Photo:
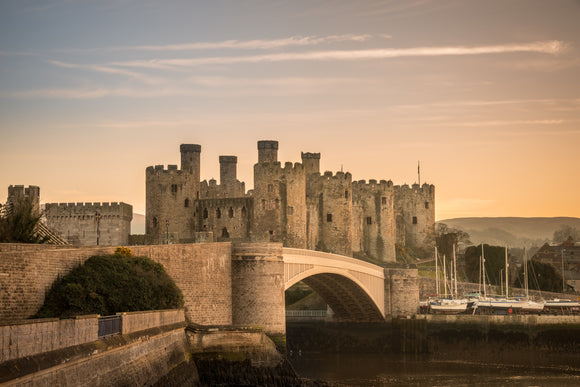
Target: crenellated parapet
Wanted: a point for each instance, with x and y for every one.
(161, 170)
(90, 209)
(18, 193)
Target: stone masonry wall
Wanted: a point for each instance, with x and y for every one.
(227, 219)
(77, 222)
(415, 213)
(401, 292)
(336, 213)
(201, 271)
(169, 203)
(373, 219)
(258, 286)
(115, 361)
(30, 337)
(140, 321)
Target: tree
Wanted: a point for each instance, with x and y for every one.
(446, 237)
(18, 225)
(565, 231)
(110, 284)
(541, 276)
(494, 263)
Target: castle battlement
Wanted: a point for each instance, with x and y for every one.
(158, 169)
(88, 204)
(290, 167)
(89, 208)
(425, 189)
(372, 184)
(328, 175)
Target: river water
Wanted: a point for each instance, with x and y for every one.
(387, 370)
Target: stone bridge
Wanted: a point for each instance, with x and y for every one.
(355, 290)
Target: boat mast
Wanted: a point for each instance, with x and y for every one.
(455, 270)
(483, 267)
(507, 265)
(526, 272)
(436, 274)
(444, 276)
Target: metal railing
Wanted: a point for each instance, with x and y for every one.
(109, 325)
(306, 313)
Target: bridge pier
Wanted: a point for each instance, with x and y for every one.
(401, 292)
(258, 286)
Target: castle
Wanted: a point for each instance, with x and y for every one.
(79, 224)
(292, 203)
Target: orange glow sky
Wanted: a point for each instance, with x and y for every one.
(486, 94)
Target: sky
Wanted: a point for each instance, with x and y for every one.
(484, 94)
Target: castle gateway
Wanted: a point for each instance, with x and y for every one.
(293, 204)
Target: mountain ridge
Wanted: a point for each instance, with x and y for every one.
(511, 230)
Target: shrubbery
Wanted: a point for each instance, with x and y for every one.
(110, 284)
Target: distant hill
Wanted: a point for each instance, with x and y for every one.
(514, 232)
(138, 224)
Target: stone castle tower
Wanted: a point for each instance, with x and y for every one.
(292, 203)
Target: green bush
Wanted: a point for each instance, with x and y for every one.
(110, 284)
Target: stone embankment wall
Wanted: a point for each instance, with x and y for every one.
(201, 271)
(48, 353)
(32, 337)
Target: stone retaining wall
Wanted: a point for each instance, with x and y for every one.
(32, 337)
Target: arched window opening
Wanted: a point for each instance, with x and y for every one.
(218, 213)
(186, 204)
(205, 213)
(154, 222)
(225, 233)
(231, 212)
(243, 212)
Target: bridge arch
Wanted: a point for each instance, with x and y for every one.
(353, 289)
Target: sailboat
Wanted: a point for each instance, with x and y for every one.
(507, 305)
(529, 306)
(447, 305)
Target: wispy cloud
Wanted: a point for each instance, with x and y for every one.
(543, 47)
(107, 70)
(509, 123)
(257, 44)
